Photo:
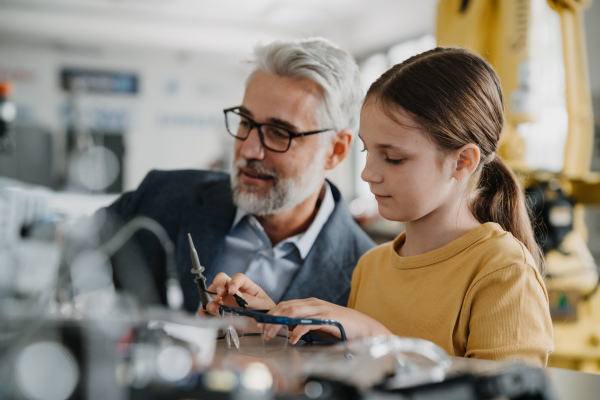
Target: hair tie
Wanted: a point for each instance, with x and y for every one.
(489, 158)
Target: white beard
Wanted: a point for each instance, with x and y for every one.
(285, 193)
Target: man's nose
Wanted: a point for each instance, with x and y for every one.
(252, 147)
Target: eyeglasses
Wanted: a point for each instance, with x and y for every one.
(247, 337)
(272, 137)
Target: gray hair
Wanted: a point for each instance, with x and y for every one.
(324, 63)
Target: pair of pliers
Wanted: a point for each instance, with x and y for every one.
(201, 279)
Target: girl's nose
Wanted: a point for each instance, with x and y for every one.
(369, 173)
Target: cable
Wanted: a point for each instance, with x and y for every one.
(173, 287)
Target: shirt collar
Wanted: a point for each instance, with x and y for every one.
(303, 241)
(239, 214)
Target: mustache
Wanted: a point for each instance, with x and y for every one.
(255, 165)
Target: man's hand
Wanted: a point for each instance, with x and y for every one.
(356, 324)
(240, 284)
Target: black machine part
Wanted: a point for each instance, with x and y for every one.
(517, 382)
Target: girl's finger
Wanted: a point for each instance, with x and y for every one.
(298, 332)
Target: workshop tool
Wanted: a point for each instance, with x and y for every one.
(201, 279)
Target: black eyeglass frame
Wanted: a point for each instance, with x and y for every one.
(254, 124)
(262, 317)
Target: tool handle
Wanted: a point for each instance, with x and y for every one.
(201, 283)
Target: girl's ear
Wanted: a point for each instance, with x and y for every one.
(467, 159)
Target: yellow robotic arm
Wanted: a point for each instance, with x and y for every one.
(500, 30)
(580, 138)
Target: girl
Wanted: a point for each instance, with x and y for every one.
(467, 273)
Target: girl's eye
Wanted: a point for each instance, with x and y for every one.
(363, 150)
(394, 161)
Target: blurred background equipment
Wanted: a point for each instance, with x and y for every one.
(8, 112)
(117, 356)
(521, 39)
(28, 264)
(94, 153)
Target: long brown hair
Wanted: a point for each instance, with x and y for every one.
(456, 97)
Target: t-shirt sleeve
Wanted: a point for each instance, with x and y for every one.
(509, 317)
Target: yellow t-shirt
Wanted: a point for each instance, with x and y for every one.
(479, 296)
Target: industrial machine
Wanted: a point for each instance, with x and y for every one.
(512, 35)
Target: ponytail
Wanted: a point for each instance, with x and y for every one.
(455, 96)
(499, 198)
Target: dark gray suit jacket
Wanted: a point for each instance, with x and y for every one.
(200, 202)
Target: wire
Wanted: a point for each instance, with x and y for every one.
(173, 287)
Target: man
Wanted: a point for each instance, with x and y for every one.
(275, 218)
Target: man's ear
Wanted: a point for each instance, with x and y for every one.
(467, 159)
(339, 148)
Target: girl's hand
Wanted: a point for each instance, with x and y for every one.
(356, 324)
(240, 284)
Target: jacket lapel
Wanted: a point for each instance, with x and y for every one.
(326, 260)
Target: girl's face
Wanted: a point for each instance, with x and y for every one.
(404, 169)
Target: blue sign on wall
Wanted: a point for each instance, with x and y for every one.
(97, 81)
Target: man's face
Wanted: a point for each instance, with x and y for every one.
(265, 182)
